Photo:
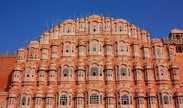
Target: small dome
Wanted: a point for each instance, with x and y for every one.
(94, 17)
(133, 26)
(55, 43)
(56, 27)
(135, 43)
(147, 65)
(42, 66)
(107, 19)
(12, 95)
(151, 93)
(146, 45)
(52, 66)
(143, 31)
(156, 40)
(81, 19)
(178, 93)
(176, 31)
(139, 92)
(45, 47)
(136, 65)
(173, 66)
(69, 21)
(17, 68)
(46, 33)
(21, 48)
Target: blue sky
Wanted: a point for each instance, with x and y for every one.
(22, 19)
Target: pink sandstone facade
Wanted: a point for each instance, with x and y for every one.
(98, 62)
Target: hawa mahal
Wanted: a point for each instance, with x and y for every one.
(95, 62)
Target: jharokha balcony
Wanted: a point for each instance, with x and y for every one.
(172, 40)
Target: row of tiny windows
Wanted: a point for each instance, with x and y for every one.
(94, 99)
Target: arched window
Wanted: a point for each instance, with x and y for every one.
(166, 101)
(120, 28)
(100, 47)
(121, 45)
(124, 100)
(162, 71)
(65, 72)
(72, 48)
(101, 71)
(94, 49)
(123, 72)
(117, 70)
(71, 72)
(31, 52)
(171, 52)
(68, 29)
(158, 51)
(94, 71)
(28, 102)
(128, 71)
(94, 99)
(63, 100)
(94, 29)
(23, 100)
(49, 101)
(67, 47)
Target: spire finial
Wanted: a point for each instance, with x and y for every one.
(108, 15)
(94, 13)
(101, 15)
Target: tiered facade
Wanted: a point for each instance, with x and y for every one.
(97, 62)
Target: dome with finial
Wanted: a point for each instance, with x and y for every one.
(81, 41)
(42, 66)
(82, 19)
(55, 43)
(17, 68)
(175, 30)
(136, 65)
(12, 94)
(150, 93)
(109, 64)
(21, 48)
(39, 93)
(69, 21)
(94, 17)
(107, 19)
(147, 65)
(139, 92)
(108, 41)
(156, 40)
(109, 92)
(143, 31)
(173, 66)
(47, 33)
(178, 93)
(56, 27)
(79, 92)
(53, 66)
(34, 44)
(80, 64)
(50, 92)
